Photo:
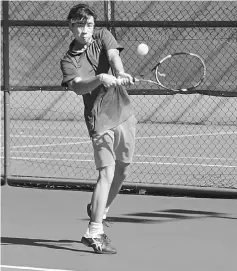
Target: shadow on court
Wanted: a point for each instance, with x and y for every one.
(52, 244)
(166, 215)
(190, 214)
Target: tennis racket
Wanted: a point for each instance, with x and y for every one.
(178, 72)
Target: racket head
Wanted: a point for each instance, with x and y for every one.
(180, 72)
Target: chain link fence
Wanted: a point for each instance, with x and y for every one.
(182, 140)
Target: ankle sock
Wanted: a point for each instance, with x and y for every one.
(94, 229)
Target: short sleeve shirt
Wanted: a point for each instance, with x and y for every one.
(104, 108)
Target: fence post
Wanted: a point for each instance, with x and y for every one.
(6, 90)
(109, 15)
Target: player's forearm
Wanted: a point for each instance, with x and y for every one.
(82, 87)
(117, 65)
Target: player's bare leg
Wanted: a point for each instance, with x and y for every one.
(95, 236)
(120, 174)
(101, 192)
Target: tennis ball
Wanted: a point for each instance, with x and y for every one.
(142, 49)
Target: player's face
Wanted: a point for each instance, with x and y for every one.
(83, 31)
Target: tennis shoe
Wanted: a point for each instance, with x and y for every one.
(100, 244)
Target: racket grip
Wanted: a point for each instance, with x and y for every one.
(135, 80)
(120, 80)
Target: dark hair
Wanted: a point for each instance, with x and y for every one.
(80, 12)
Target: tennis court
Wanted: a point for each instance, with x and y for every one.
(188, 148)
(41, 230)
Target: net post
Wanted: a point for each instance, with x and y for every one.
(6, 90)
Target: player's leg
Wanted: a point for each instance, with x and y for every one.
(101, 192)
(120, 174)
(105, 163)
(123, 151)
(124, 147)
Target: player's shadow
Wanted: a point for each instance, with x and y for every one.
(161, 216)
(179, 214)
(53, 244)
(198, 213)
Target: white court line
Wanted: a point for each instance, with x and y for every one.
(183, 157)
(54, 152)
(51, 159)
(187, 135)
(144, 137)
(52, 136)
(135, 162)
(139, 137)
(41, 128)
(136, 155)
(184, 164)
(31, 268)
(49, 145)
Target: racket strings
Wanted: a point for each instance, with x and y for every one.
(180, 72)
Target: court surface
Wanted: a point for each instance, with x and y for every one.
(41, 230)
(196, 155)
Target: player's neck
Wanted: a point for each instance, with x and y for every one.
(78, 46)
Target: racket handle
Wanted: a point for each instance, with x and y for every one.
(135, 80)
(119, 81)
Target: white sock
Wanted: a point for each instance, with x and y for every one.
(94, 229)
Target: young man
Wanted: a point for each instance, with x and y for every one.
(93, 68)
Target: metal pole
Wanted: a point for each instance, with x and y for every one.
(109, 15)
(6, 90)
(112, 17)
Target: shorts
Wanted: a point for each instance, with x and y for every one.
(116, 144)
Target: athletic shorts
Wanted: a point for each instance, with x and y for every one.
(116, 144)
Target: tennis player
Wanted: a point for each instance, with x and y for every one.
(91, 68)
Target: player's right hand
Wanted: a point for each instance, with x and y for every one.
(108, 80)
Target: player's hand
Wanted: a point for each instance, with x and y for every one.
(125, 79)
(108, 80)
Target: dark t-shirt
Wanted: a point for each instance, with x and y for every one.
(104, 108)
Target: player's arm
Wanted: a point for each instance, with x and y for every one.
(84, 86)
(73, 81)
(117, 66)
